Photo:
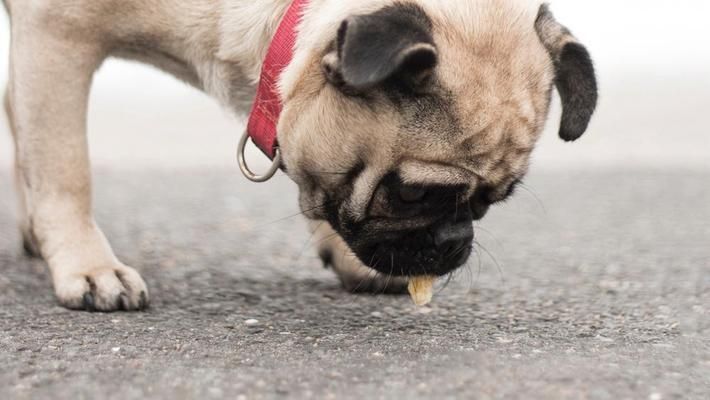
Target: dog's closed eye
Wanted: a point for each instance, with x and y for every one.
(487, 195)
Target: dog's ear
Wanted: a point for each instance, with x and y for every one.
(393, 43)
(575, 78)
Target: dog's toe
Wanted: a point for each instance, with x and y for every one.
(353, 274)
(29, 247)
(360, 279)
(105, 289)
(357, 278)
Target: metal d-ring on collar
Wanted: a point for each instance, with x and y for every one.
(245, 168)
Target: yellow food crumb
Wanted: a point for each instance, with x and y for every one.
(421, 288)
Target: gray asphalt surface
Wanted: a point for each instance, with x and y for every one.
(602, 292)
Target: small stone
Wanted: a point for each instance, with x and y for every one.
(115, 349)
(663, 345)
(376, 314)
(251, 322)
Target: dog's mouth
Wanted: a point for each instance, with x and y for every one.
(435, 249)
(407, 231)
(415, 255)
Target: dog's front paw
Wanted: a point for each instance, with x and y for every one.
(106, 288)
(357, 278)
(353, 274)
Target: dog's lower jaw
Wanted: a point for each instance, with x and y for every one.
(353, 274)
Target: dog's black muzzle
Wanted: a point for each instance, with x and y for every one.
(436, 250)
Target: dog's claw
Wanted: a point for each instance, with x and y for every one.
(143, 303)
(326, 257)
(124, 302)
(29, 248)
(107, 289)
(89, 304)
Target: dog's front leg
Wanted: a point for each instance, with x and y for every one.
(48, 90)
(353, 274)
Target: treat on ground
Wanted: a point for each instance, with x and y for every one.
(421, 288)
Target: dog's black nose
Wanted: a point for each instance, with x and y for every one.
(454, 241)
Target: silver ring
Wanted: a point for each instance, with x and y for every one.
(245, 168)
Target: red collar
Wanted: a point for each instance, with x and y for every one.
(267, 107)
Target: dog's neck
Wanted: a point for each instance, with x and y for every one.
(244, 33)
(246, 29)
(217, 46)
(241, 32)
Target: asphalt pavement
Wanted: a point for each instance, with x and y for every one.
(588, 285)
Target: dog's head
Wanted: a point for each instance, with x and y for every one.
(404, 121)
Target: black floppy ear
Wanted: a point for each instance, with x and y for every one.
(575, 77)
(393, 43)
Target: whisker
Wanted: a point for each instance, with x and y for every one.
(295, 215)
(480, 268)
(325, 239)
(473, 283)
(328, 173)
(367, 277)
(469, 272)
(308, 242)
(532, 193)
(495, 261)
(387, 282)
(490, 234)
(348, 253)
(449, 278)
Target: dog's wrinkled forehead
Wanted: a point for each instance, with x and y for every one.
(439, 92)
(491, 91)
(481, 99)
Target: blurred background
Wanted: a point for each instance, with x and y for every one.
(652, 58)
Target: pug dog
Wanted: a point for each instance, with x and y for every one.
(403, 120)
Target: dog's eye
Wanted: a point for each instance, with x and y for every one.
(412, 194)
(487, 195)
